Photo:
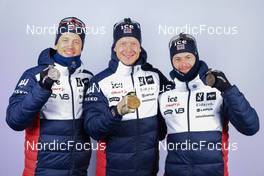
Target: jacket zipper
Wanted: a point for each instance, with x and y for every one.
(188, 119)
(188, 107)
(137, 121)
(73, 124)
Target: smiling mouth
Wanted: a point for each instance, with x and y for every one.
(185, 70)
(128, 56)
(69, 52)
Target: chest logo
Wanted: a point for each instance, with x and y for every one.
(211, 96)
(199, 96)
(146, 80)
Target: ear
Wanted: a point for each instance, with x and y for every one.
(115, 48)
(55, 47)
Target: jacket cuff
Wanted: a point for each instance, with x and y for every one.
(115, 114)
(233, 90)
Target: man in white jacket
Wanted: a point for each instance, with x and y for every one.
(197, 115)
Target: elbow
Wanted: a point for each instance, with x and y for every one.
(95, 137)
(247, 123)
(92, 134)
(89, 129)
(254, 128)
(252, 131)
(13, 125)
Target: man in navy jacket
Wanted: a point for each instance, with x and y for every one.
(197, 113)
(122, 107)
(47, 104)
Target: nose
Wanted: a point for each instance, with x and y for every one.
(184, 64)
(128, 48)
(71, 45)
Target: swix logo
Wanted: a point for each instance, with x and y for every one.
(23, 82)
(172, 99)
(85, 81)
(116, 85)
(149, 79)
(211, 96)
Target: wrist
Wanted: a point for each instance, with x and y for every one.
(226, 87)
(115, 113)
(46, 83)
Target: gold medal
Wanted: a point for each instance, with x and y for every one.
(132, 100)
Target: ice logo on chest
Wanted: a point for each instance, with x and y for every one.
(172, 99)
(116, 85)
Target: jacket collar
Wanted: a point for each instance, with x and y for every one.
(123, 69)
(193, 85)
(46, 58)
(203, 69)
(65, 71)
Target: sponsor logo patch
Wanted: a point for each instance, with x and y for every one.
(146, 80)
(200, 96)
(211, 96)
(169, 111)
(23, 82)
(114, 99)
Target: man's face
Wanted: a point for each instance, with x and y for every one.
(183, 62)
(127, 50)
(69, 45)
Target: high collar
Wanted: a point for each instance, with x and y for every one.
(193, 85)
(70, 62)
(203, 69)
(123, 69)
(65, 70)
(46, 57)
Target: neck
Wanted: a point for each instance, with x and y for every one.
(70, 62)
(188, 76)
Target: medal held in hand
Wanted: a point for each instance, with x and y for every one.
(210, 79)
(53, 73)
(132, 100)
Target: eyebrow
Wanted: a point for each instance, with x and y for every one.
(66, 37)
(178, 57)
